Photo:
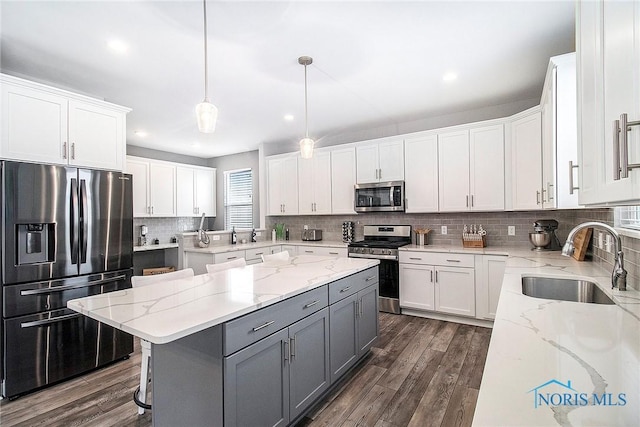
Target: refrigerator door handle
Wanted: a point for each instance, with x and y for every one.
(47, 322)
(84, 219)
(76, 286)
(74, 219)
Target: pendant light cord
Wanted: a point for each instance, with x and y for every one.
(206, 68)
(306, 109)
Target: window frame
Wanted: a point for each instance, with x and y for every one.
(247, 203)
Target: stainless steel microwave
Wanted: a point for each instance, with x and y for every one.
(380, 197)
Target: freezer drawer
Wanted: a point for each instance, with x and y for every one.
(52, 346)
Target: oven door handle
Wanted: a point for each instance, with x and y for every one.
(49, 321)
(383, 257)
(76, 286)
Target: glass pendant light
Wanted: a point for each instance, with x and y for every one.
(206, 112)
(306, 143)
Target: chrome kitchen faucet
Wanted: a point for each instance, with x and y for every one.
(619, 274)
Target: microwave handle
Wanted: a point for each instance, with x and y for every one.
(391, 199)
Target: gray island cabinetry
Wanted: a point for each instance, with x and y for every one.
(265, 366)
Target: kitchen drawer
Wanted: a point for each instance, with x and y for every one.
(248, 329)
(342, 288)
(256, 254)
(436, 258)
(227, 256)
(322, 251)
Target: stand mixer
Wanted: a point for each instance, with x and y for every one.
(544, 236)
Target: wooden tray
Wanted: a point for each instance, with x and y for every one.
(581, 243)
(475, 243)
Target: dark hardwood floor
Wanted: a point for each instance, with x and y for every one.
(421, 372)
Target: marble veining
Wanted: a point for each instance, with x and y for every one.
(545, 346)
(164, 312)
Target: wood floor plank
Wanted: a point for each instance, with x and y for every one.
(392, 331)
(368, 411)
(461, 407)
(396, 346)
(471, 374)
(404, 363)
(444, 336)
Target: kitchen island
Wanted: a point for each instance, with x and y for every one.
(561, 363)
(248, 345)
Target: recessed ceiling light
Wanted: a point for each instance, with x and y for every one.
(141, 133)
(288, 117)
(449, 77)
(118, 46)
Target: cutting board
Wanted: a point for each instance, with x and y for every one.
(581, 243)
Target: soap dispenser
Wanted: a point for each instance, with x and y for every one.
(253, 235)
(234, 236)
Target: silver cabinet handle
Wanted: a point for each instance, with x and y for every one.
(572, 188)
(334, 253)
(380, 174)
(431, 276)
(550, 191)
(286, 350)
(543, 199)
(616, 150)
(49, 321)
(436, 276)
(415, 259)
(368, 279)
(259, 253)
(537, 197)
(467, 200)
(73, 151)
(311, 304)
(357, 312)
(64, 150)
(472, 200)
(67, 287)
(257, 328)
(625, 126)
(345, 289)
(292, 347)
(453, 260)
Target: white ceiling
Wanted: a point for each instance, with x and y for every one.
(375, 62)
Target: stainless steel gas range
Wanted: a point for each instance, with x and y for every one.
(382, 242)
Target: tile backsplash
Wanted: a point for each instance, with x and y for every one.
(163, 229)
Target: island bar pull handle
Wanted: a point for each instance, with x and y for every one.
(257, 328)
(625, 126)
(368, 279)
(67, 287)
(49, 321)
(345, 289)
(357, 307)
(285, 350)
(311, 304)
(572, 188)
(292, 347)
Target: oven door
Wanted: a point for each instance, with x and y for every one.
(389, 286)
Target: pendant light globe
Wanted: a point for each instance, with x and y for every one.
(306, 148)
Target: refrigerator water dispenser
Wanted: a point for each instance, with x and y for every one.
(35, 243)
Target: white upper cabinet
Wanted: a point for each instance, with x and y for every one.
(48, 125)
(282, 185)
(526, 158)
(154, 187)
(421, 174)
(343, 180)
(559, 135)
(608, 63)
(196, 191)
(471, 169)
(380, 161)
(314, 184)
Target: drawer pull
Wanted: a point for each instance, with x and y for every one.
(259, 253)
(311, 304)
(232, 257)
(345, 289)
(333, 253)
(415, 259)
(368, 279)
(453, 260)
(308, 252)
(257, 328)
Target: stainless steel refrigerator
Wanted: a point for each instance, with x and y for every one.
(66, 233)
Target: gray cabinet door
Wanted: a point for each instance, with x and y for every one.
(256, 383)
(309, 373)
(367, 318)
(343, 339)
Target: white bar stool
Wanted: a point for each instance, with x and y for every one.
(140, 397)
(236, 263)
(278, 256)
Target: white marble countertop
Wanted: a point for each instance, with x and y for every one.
(167, 311)
(216, 249)
(536, 341)
(491, 250)
(152, 247)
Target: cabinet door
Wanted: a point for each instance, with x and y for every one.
(391, 161)
(205, 191)
(343, 339)
(421, 172)
(548, 116)
(290, 185)
(453, 158)
(275, 185)
(367, 163)
(526, 148)
(140, 172)
(322, 183)
(34, 125)
(309, 373)
(489, 276)
(455, 290)
(185, 197)
(256, 383)
(96, 135)
(367, 318)
(486, 175)
(306, 186)
(343, 179)
(162, 187)
(417, 286)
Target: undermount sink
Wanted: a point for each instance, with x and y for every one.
(564, 290)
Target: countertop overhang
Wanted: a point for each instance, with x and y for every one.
(164, 312)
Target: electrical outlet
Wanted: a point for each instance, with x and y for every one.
(216, 237)
(511, 230)
(258, 233)
(608, 242)
(443, 229)
(600, 243)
